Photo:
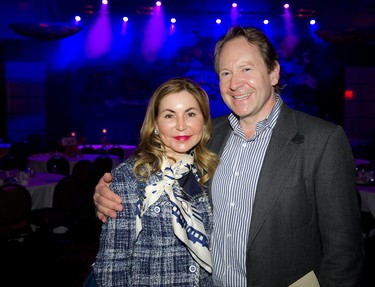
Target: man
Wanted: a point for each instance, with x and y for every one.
(284, 198)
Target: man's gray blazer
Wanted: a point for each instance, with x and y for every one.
(306, 214)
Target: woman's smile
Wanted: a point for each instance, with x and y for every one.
(182, 138)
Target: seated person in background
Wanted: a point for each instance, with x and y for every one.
(162, 236)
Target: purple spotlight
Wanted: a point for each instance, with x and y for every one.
(77, 18)
(105, 2)
(173, 20)
(125, 19)
(172, 29)
(158, 3)
(312, 22)
(286, 5)
(218, 21)
(266, 22)
(234, 13)
(96, 47)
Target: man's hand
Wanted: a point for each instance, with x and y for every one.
(107, 203)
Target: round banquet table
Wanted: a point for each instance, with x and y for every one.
(38, 162)
(41, 187)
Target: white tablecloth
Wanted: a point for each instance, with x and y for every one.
(38, 162)
(367, 193)
(41, 187)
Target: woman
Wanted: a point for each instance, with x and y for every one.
(162, 236)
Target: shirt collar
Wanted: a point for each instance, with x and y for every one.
(269, 121)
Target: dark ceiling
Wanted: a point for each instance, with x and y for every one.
(300, 8)
(328, 13)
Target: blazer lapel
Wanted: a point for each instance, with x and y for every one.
(220, 135)
(281, 155)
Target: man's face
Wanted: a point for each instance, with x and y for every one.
(245, 84)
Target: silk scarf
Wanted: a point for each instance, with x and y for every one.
(186, 220)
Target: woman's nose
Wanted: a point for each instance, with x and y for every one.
(181, 124)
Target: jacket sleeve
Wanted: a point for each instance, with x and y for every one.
(339, 214)
(113, 265)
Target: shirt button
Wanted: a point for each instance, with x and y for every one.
(156, 209)
(201, 199)
(192, 268)
(244, 145)
(236, 173)
(232, 204)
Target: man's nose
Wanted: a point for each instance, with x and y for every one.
(235, 82)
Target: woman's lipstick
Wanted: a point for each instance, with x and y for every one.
(182, 138)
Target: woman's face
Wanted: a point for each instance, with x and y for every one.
(180, 123)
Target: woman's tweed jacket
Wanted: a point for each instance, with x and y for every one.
(157, 257)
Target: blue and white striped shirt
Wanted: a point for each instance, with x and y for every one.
(233, 193)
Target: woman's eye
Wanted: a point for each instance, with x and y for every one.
(168, 116)
(191, 114)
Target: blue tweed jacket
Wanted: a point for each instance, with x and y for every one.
(157, 257)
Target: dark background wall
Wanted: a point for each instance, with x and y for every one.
(102, 78)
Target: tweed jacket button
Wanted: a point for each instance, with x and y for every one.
(156, 209)
(192, 268)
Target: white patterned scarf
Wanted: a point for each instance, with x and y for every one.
(186, 220)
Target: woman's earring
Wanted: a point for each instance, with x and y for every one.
(156, 131)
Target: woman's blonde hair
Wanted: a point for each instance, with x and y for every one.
(150, 150)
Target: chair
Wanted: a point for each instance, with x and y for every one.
(101, 151)
(102, 164)
(119, 151)
(15, 207)
(64, 207)
(83, 172)
(88, 150)
(16, 158)
(58, 164)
